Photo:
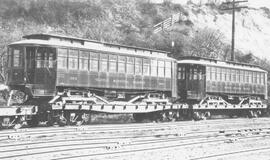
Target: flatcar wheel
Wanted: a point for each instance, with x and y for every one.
(169, 116)
(207, 114)
(86, 118)
(197, 116)
(259, 113)
(250, 114)
(62, 121)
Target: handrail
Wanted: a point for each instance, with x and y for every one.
(169, 22)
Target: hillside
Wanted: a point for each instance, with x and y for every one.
(252, 26)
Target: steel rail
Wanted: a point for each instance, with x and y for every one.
(115, 128)
(163, 129)
(144, 149)
(94, 126)
(89, 146)
(160, 134)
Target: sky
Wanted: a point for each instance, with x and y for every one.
(259, 3)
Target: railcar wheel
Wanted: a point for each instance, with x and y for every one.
(207, 114)
(250, 114)
(197, 116)
(62, 121)
(86, 118)
(255, 114)
(169, 116)
(259, 113)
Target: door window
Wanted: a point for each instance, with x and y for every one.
(17, 57)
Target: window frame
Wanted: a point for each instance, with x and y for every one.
(112, 62)
(121, 61)
(161, 69)
(130, 65)
(94, 61)
(82, 59)
(146, 67)
(64, 57)
(103, 59)
(154, 68)
(138, 66)
(73, 59)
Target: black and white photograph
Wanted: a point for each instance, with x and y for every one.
(134, 79)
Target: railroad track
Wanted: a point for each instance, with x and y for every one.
(115, 139)
(114, 147)
(116, 129)
(113, 126)
(107, 139)
(67, 145)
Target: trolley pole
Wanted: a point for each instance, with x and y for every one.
(232, 6)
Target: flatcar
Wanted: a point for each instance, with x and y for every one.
(67, 79)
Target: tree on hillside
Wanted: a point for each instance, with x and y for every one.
(172, 41)
(246, 58)
(206, 42)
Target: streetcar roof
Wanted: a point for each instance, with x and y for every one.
(82, 41)
(222, 64)
(71, 42)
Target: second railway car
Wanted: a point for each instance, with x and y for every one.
(66, 79)
(216, 86)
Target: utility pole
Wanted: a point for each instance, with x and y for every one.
(233, 6)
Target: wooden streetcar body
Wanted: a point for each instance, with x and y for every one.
(211, 85)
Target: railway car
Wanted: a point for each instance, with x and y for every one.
(67, 79)
(212, 86)
(70, 77)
